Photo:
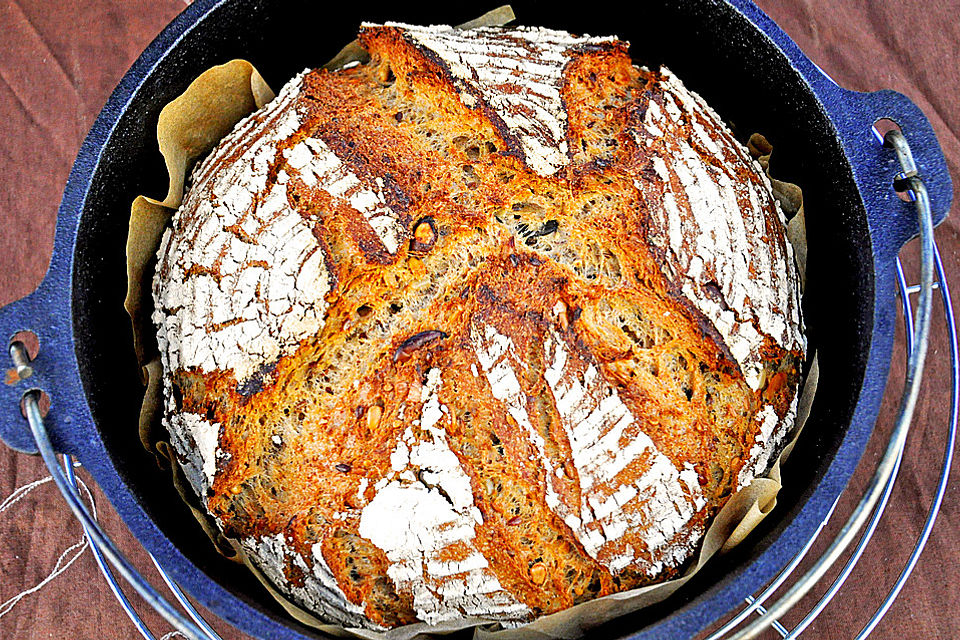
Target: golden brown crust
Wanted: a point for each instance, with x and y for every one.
(514, 309)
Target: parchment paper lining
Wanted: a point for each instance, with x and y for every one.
(193, 124)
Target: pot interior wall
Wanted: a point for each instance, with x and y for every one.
(713, 50)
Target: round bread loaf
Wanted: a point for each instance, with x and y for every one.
(489, 325)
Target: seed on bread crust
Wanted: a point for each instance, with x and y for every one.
(415, 342)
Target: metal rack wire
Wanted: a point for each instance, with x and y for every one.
(742, 625)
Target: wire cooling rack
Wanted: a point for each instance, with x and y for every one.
(761, 611)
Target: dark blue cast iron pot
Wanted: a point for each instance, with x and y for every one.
(732, 54)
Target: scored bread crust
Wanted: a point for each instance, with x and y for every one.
(488, 326)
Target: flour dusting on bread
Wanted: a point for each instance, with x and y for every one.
(722, 249)
(426, 525)
(518, 73)
(242, 276)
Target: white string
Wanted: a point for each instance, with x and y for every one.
(63, 563)
(172, 634)
(19, 493)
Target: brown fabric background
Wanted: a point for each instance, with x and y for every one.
(59, 63)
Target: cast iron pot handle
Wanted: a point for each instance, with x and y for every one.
(53, 370)
(878, 172)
